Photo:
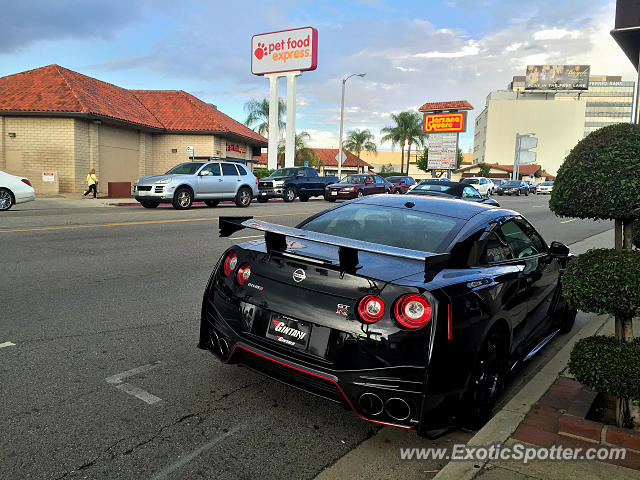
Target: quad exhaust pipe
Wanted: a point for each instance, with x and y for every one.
(397, 408)
(219, 345)
(371, 404)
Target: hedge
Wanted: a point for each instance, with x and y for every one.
(262, 172)
(636, 233)
(608, 365)
(600, 178)
(604, 281)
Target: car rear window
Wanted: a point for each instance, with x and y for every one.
(393, 179)
(228, 169)
(471, 181)
(426, 232)
(241, 169)
(433, 187)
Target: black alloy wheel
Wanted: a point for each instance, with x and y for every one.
(243, 197)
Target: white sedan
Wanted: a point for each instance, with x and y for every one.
(545, 188)
(14, 190)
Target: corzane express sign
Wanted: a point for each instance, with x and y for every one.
(284, 51)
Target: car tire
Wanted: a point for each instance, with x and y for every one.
(243, 197)
(149, 204)
(526, 194)
(6, 199)
(182, 199)
(487, 380)
(518, 194)
(568, 319)
(262, 200)
(289, 194)
(360, 194)
(212, 203)
(303, 198)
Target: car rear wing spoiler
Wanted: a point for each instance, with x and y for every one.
(276, 241)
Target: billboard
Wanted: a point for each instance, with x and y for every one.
(284, 51)
(444, 122)
(443, 152)
(557, 77)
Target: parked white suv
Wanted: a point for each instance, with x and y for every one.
(14, 190)
(482, 184)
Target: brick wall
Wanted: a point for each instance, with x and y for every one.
(81, 155)
(164, 158)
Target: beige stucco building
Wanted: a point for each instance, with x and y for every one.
(54, 120)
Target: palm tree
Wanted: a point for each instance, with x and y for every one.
(415, 133)
(258, 115)
(397, 134)
(302, 152)
(358, 141)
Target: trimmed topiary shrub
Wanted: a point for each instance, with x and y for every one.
(262, 172)
(604, 281)
(608, 365)
(600, 178)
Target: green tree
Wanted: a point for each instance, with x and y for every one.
(386, 168)
(600, 180)
(302, 152)
(461, 159)
(484, 169)
(398, 133)
(258, 115)
(359, 141)
(423, 161)
(415, 133)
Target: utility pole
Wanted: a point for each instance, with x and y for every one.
(340, 154)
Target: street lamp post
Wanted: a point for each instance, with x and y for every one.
(344, 81)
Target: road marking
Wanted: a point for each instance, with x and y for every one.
(187, 458)
(538, 206)
(147, 222)
(116, 381)
(7, 344)
(567, 221)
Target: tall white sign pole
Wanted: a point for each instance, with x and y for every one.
(290, 137)
(274, 133)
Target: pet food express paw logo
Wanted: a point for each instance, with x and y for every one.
(284, 50)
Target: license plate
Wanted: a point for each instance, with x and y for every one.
(142, 192)
(263, 193)
(334, 193)
(289, 331)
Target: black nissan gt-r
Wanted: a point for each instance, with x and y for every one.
(410, 310)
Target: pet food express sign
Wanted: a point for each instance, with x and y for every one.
(284, 51)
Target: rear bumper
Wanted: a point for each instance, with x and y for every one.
(388, 396)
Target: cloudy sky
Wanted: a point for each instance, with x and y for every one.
(411, 51)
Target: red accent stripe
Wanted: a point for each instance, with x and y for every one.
(449, 327)
(315, 375)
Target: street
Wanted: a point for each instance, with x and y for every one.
(103, 378)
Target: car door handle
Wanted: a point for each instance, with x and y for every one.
(219, 179)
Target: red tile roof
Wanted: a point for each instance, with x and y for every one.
(57, 89)
(455, 105)
(522, 169)
(328, 157)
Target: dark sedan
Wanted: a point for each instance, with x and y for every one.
(513, 187)
(409, 310)
(401, 184)
(445, 189)
(355, 186)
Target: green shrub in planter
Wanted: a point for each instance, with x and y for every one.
(262, 172)
(600, 178)
(604, 281)
(607, 365)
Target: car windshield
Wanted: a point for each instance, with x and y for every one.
(376, 224)
(285, 172)
(185, 169)
(470, 181)
(352, 179)
(546, 184)
(513, 183)
(433, 187)
(393, 179)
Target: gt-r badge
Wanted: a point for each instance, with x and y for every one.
(299, 275)
(343, 310)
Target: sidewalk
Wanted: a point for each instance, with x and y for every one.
(76, 200)
(377, 457)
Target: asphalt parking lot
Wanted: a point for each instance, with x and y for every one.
(100, 373)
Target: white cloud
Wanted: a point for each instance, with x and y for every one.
(405, 69)
(556, 34)
(471, 48)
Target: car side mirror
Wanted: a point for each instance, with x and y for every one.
(558, 249)
(202, 174)
(490, 201)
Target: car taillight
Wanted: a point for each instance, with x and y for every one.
(412, 311)
(370, 308)
(230, 263)
(244, 272)
(256, 181)
(24, 180)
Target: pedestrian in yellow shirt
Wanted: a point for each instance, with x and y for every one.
(92, 182)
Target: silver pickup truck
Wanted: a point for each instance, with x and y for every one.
(210, 181)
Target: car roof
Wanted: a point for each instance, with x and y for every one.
(450, 207)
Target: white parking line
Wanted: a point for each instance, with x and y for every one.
(187, 458)
(116, 381)
(7, 344)
(571, 220)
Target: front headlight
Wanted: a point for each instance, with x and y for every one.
(164, 180)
